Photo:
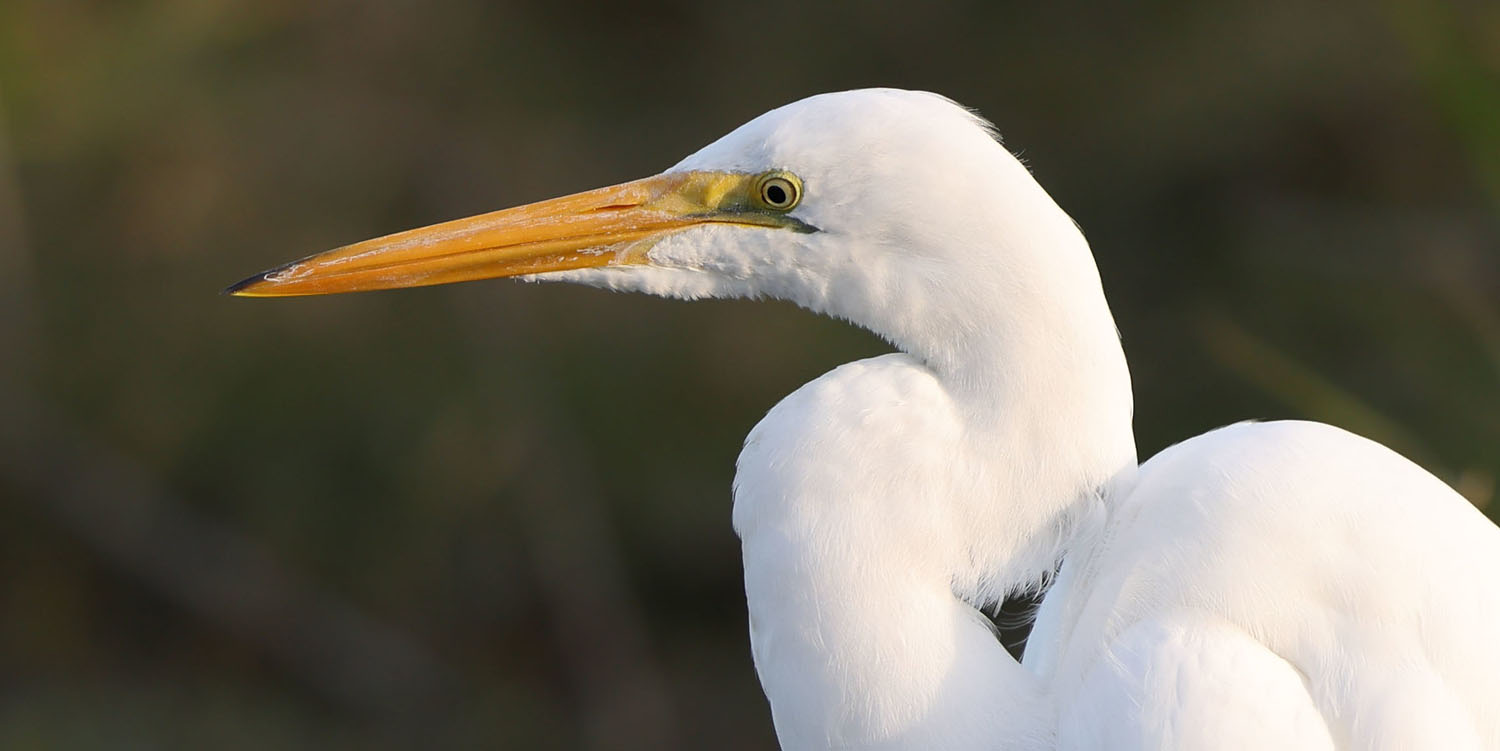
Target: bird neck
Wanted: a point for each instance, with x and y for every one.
(1048, 427)
(879, 505)
(1029, 353)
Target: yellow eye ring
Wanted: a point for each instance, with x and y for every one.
(778, 191)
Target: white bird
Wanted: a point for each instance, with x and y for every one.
(1282, 585)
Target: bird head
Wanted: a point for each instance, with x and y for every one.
(879, 206)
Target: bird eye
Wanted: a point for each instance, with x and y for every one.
(778, 191)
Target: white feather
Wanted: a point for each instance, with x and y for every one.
(1285, 585)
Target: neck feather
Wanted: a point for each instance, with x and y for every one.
(1028, 351)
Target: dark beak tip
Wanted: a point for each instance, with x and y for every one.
(237, 289)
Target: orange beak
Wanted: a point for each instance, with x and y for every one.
(613, 226)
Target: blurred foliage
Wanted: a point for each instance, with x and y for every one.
(496, 515)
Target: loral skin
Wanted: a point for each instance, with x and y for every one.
(1264, 586)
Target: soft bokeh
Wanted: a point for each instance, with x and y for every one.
(497, 515)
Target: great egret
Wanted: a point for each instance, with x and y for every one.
(1282, 585)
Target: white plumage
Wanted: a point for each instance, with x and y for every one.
(1283, 585)
(1282, 580)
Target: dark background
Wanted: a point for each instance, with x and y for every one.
(496, 514)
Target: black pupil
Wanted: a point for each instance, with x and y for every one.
(775, 194)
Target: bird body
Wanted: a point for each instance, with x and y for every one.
(1307, 552)
(1282, 582)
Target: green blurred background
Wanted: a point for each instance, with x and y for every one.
(497, 515)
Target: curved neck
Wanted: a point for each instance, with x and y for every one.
(1029, 352)
(880, 504)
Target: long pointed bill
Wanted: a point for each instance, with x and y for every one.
(611, 226)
